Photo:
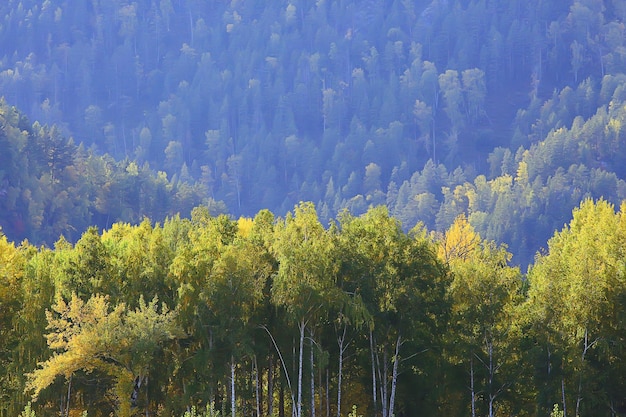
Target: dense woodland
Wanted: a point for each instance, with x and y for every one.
(508, 111)
(436, 270)
(281, 317)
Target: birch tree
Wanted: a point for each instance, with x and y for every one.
(484, 292)
(234, 289)
(94, 336)
(574, 298)
(306, 274)
(402, 285)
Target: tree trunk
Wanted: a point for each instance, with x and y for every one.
(492, 397)
(341, 341)
(233, 406)
(586, 347)
(384, 385)
(394, 376)
(312, 376)
(374, 387)
(69, 393)
(270, 387)
(563, 397)
(286, 376)
(300, 360)
(256, 386)
(212, 384)
(472, 386)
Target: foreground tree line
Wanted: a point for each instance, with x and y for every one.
(283, 316)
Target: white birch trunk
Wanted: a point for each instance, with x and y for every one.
(256, 386)
(374, 387)
(586, 347)
(300, 360)
(288, 379)
(69, 394)
(312, 358)
(492, 397)
(233, 406)
(384, 385)
(394, 376)
(270, 387)
(472, 386)
(341, 341)
(563, 397)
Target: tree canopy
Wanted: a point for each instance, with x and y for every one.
(271, 313)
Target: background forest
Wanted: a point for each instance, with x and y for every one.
(508, 111)
(476, 124)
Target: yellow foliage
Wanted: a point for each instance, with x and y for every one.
(522, 172)
(245, 226)
(459, 241)
(114, 340)
(502, 184)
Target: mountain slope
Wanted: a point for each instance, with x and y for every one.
(344, 103)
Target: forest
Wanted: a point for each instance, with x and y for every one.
(510, 112)
(299, 207)
(271, 316)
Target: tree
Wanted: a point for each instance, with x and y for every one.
(306, 274)
(93, 336)
(450, 86)
(425, 120)
(475, 93)
(574, 291)
(484, 292)
(86, 268)
(402, 284)
(174, 157)
(12, 271)
(233, 291)
(192, 269)
(577, 58)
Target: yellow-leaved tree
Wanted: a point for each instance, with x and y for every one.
(484, 292)
(112, 342)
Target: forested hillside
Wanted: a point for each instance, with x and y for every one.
(460, 252)
(508, 111)
(52, 187)
(282, 316)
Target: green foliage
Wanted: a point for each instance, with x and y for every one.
(574, 290)
(411, 308)
(362, 108)
(209, 411)
(28, 411)
(485, 293)
(556, 412)
(354, 413)
(91, 336)
(145, 110)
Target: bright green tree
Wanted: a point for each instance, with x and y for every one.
(576, 290)
(485, 291)
(306, 275)
(402, 284)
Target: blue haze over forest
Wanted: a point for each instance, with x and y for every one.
(508, 111)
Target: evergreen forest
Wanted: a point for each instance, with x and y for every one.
(312, 208)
